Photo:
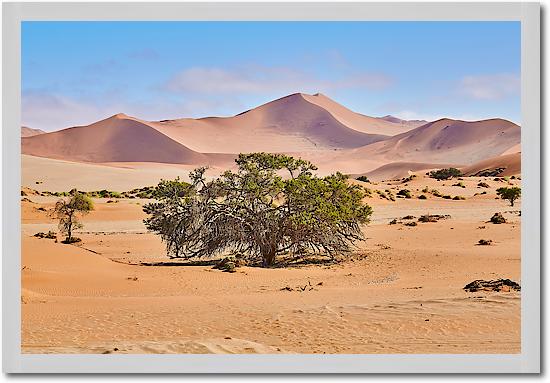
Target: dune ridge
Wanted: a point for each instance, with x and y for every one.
(29, 132)
(313, 127)
(447, 141)
(510, 163)
(119, 138)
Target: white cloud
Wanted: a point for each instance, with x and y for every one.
(258, 79)
(490, 87)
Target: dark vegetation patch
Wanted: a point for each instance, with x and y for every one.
(48, 235)
(489, 172)
(492, 285)
(485, 242)
(445, 174)
(497, 218)
(433, 217)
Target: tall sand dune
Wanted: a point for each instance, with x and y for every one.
(360, 122)
(119, 138)
(290, 124)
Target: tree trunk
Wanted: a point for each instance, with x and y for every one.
(268, 257)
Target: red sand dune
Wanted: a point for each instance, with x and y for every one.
(360, 122)
(309, 126)
(116, 139)
(511, 163)
(290, 124)
(446, 141)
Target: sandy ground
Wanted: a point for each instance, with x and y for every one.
(401, 292)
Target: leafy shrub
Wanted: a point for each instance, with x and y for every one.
(458, 197)
(422, 196)
(411, 223)
(363, 179)
(460, 184)
(444, 174)
(483, 185)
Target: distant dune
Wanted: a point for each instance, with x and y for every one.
(29, 132)
(397, 170)
(446, 141)
(313, 127)
(290, 124)
(360, 122)
(119, 138)
(510, 162)
(410, 123)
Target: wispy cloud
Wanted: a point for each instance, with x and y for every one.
(49, 110)
(490, 87)
(144, 54)
(259, 79)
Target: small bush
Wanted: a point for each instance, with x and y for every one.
(445, 174)
(425, 190)
(411, 223)
(498, 218)
(427, 218)
(460, 184)
(48, 235)
(422, 196)
(446, 197)
(393, 221)
(404, 193)
(484, 242)
(483, 185)
(436, 193)
(409, 217)
(363, 179)
(458, 197)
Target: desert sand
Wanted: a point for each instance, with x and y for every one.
(401, 292)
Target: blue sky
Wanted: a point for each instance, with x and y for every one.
(74, 73)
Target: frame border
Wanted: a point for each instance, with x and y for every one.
(528, 361)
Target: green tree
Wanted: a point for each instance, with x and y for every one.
(273, 204)
(444, 174)
(510, 194)
(68, 210)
